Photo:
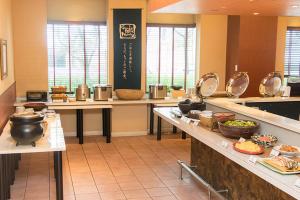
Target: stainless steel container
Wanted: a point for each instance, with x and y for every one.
(102, 92)
(158, 91)
(82, 92)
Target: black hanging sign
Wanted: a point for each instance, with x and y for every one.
(127, 48)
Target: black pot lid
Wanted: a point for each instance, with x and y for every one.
(237, 84)
(207, 85)
(271, 84)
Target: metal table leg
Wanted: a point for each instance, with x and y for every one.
(174, 129)
(80, 125)
(158, 128)
(104, 127)
(108, 125)
(183, 136)
(151, 118)
(77, 123)
(59, 175)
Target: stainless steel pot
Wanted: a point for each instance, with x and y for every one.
(102, 92)
(158, 91)
(82, 92)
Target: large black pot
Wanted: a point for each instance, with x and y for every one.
(27, 129)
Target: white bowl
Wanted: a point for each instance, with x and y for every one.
(291, 154)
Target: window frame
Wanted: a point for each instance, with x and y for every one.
(69, 23)
(288, 68)
(173, 26)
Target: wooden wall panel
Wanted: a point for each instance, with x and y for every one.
(257, 53)
(232, 55)
(7, 99)
(255, 50)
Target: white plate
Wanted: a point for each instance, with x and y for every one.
(288, 153)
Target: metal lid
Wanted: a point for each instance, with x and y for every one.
(237, 84)
(207, 85)
(270, 85)
(27, 115)
(102, 86)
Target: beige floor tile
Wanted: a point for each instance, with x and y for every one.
(136, 194)
(156, 192)
(138, 167)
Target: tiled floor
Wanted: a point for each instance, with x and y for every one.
(128, 168)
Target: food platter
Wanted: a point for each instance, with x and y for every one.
(268, 162)
(236, 147)
(288, 150)
(264, 140)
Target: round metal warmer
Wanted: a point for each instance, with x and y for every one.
(237, 84)
(270, 85)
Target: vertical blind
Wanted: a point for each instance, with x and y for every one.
(171, 55)
(292, 52)
(77, 53)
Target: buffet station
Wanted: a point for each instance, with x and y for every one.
(237, 151)
(30, 132)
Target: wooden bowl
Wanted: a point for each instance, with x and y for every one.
(36, 106)
(237, 132)
(129, 94)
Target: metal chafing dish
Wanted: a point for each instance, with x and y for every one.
(270, 85)
(237, 84)
(207, 85)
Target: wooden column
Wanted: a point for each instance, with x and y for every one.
(251, 44)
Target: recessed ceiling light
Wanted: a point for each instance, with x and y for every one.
(224, 7)
(256, 13)
(251, 0)
(295, 6)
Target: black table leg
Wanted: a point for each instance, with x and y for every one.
(151, 118)
(59, 175)
(158, 128)
(174, 129)
(77, 122)
(183, 136)
(80, 125)
(104, 126)
(108, 125)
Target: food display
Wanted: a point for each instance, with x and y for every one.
(59, 89)
(238, 128)
(59, 97)
(35, 106)
(264, 140)
(288, 150)
(239, 123)
(221, 117)
(248, 147)
(282, 164)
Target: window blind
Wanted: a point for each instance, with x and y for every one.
(292, 52)
(77, 53)
(171, 55)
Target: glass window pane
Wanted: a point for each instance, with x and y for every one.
(191, 58)
(179, 55)
(61, 45)
(166, 55)
(152, 55)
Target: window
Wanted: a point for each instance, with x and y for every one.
(171, 55)
(292, 52)
(77, 53)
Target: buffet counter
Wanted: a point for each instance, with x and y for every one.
(10, 154)
(224, 168)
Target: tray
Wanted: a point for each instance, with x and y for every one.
(262, 162)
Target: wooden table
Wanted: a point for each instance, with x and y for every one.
(10, 154)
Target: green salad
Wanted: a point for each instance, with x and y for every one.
(239, 123)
